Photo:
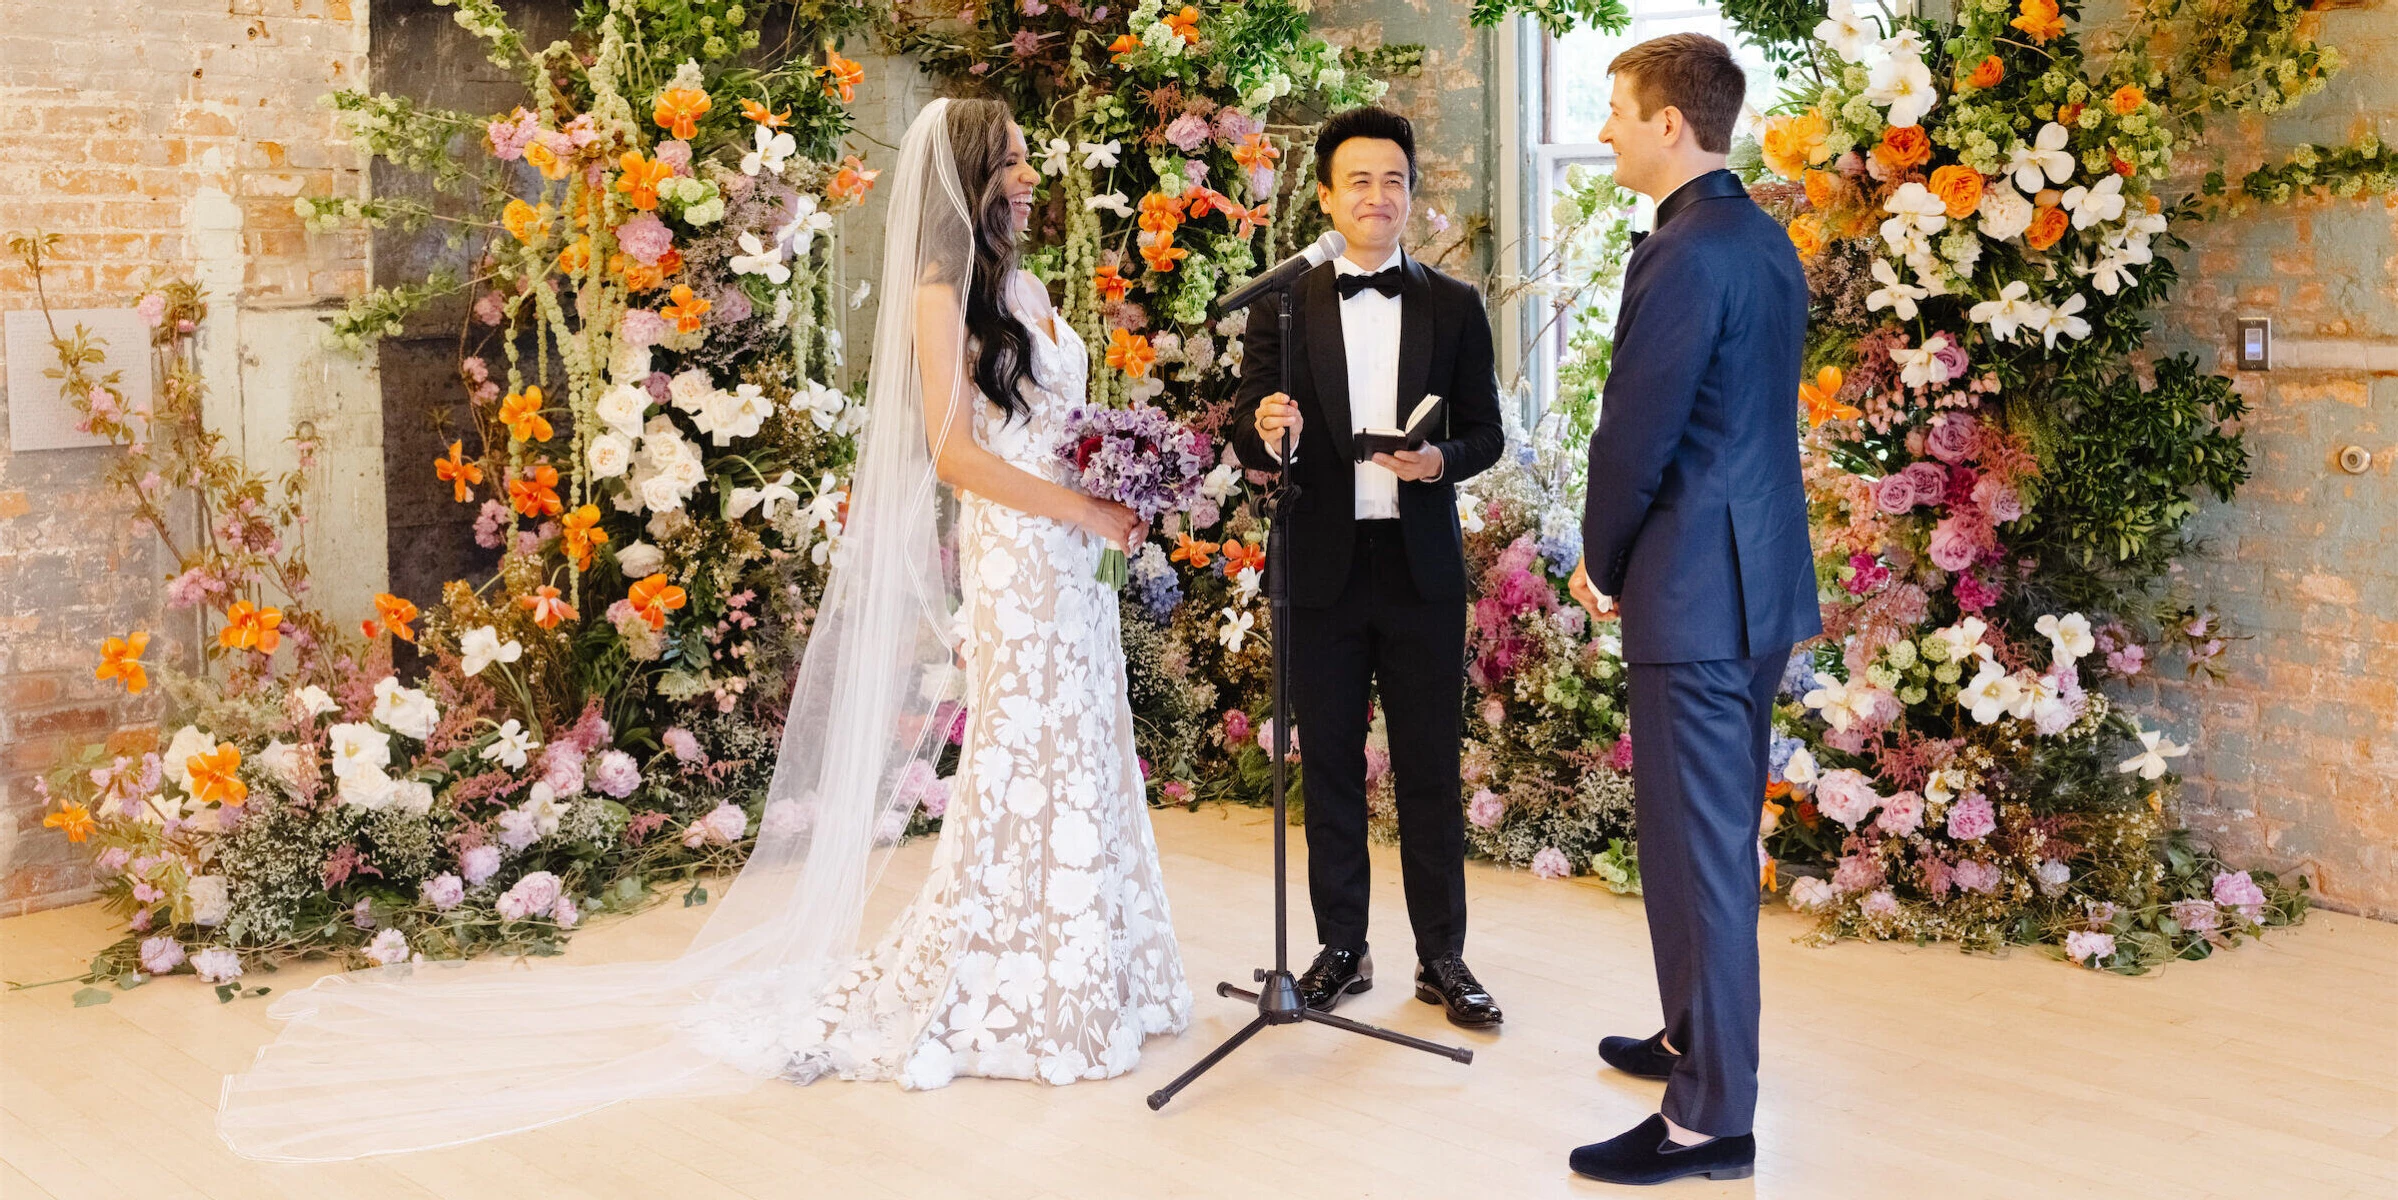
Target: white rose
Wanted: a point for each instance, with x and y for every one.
(639, 560)
(629, 364)
(690, 390)
(610, 455)
(621, 408)
(211, 899)
(366, 789)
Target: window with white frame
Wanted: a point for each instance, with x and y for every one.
(1568, 104)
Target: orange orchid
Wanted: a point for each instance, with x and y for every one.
(1821, 398)
(548, 607)
(521, 413)
(853, 180)
(536, 494)
(1130, 353)
(1204, 200)
(579, 533)
(249, 627)
(686, 310)
(395, 614)
(1777, 790)
(1255, 152)
(1245, 221)
(642, 278)
(759, 113)
(1188, 550)
(2127, 100)
(525, 222)
(1239, 555)
(2039, 20)
(1124, 47)
(841, 76)
(640, 179)
(1111, 284)
(213, 781)
(1161, 213)
(1765, 874)
(653, 598)
(461, 475)
(120, 658)
(72, 819)
(679, 109)
(1161, 254)
(1185, 25)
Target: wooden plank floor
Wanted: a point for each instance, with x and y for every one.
(1890, 1071)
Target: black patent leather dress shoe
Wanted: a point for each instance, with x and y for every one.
(1646, 1057)
(1447, 982)
(1646, 1155)
(1336, 973)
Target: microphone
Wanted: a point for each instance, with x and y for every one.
(1325, 249)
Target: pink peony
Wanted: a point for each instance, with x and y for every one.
(685, 748)
(1188, 132)
(562, 768)
(444, 892)
(389, 947)
(161, 954)
(675, 154)
(1378, 764)
(645, 238)
(1902, 815)
(1846, 796)
(1550, 863)
(641, 327)
(152, 309)
(936, 796)
(957, 727)
(1485, 809)
(1878, 903)
(1973, 595)
(2235, 890)
(1971, 818)
(722, 826)
(1236, 727)
(531, 896)
(217, 964)
(1856, 873)
(2196, 916)
(2083, 946)
(1866, 574)
(1974, 875)
(615, 773)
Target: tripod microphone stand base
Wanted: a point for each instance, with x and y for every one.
(1278, 1004)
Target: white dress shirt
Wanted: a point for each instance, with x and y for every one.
(1370, 332)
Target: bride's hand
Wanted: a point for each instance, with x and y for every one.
(1115, 524)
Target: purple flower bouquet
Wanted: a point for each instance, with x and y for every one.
(1138, 457)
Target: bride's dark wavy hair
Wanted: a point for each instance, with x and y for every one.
(1002, 344)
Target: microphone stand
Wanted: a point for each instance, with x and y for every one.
(1277, 994)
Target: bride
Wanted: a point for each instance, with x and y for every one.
(1040, 945)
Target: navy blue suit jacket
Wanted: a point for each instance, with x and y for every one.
(1696, 518)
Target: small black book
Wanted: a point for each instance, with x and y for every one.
(1427, 414)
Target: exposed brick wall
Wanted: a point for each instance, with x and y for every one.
(121, 124)
(2296, 759)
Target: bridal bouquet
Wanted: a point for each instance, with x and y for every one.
(1140, 458)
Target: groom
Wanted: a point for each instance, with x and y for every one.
(1696, 521)
(1378, 581)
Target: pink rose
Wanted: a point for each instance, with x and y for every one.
(2001, 501)
(1902, 815)
(1846, 796)
(1956, 543)
(1895, 494)
(1953, 437)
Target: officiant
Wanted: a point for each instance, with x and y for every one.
(1378, 578)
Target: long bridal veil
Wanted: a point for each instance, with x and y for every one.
(411, 1057)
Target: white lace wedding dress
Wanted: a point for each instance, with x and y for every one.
(1041, 946)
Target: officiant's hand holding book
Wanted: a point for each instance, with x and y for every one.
(1372, 441)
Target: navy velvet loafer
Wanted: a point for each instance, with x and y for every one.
(1646, 1155)
(1646, 1057)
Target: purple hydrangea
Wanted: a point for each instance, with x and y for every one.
(2197, 916)
(2083, 946)
(1188, 132)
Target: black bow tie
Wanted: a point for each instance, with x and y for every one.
(1638, 234)
(1384, 281)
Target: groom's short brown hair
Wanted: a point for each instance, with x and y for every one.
(1691, 72)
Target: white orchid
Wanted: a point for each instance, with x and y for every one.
(822, 404)
(2009, 312)
(1057, 156)
(760, 258)
(316, 701)
(1963, 640)
(2062, 320)
(2068, 636)
(1114, 202)
(1219, 482)
(1244, 586)
(1895, 294)
(2155, 748)
(1800, 770)
(482, 647)
(857, 298)
(1902, 84)
(1098, 155)
(1840, 704)
(1919, 211)
(1918, 365)
(1991, 694)
(511, 746)
(764, 499)
(2045, 156)
(1469, 512)
(771, 151)
(1235, 631)
(807, 220)
(2093, 205)
(2112, 272)
(1849, 35)
(405, 711)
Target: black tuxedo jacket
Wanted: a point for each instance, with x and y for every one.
(1445, 350)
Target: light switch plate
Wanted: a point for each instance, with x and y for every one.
(2253, 349)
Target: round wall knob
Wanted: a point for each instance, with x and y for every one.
(2356, 460)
